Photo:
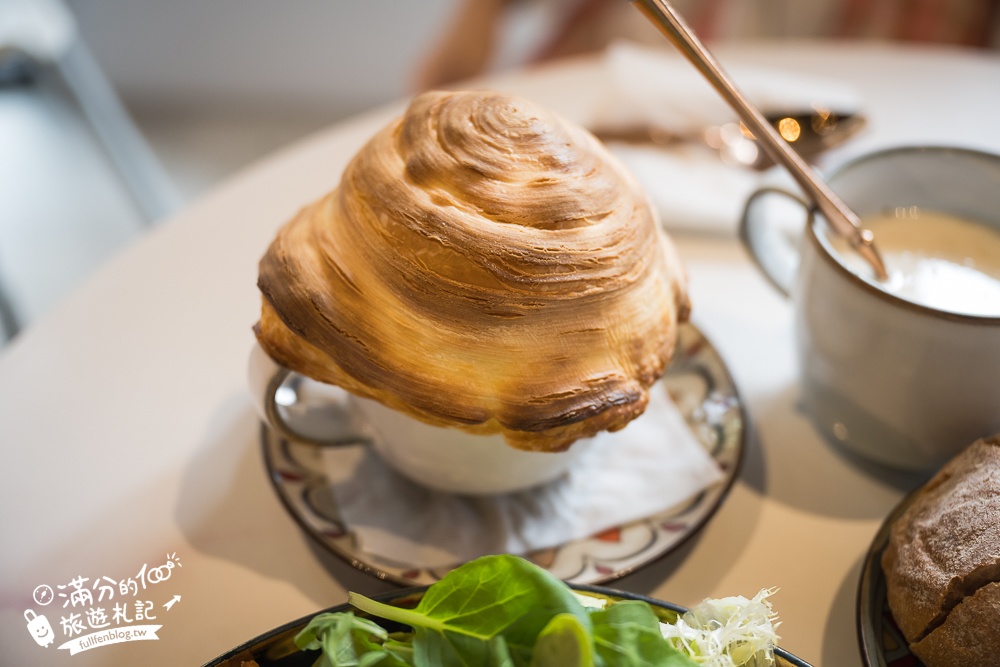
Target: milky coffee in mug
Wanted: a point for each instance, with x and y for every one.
(933, 259)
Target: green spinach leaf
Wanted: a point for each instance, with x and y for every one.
(349, 641)
(627, 634)
(564, 642)
(485, 598)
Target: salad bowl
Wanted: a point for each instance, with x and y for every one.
(277, 647)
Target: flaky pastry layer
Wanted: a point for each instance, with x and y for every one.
(483, 264)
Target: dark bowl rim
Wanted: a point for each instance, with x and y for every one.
(871, 585)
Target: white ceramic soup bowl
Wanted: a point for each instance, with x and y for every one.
(446, 459)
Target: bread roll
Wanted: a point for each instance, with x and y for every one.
(483, 264)
(942, 563)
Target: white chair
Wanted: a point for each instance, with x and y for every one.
(70, 150)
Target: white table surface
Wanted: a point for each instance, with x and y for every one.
(128, 435)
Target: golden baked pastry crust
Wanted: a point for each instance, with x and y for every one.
(943, 560)
(482, 264)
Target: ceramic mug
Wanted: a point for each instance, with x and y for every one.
(895, 381)
(446, 459)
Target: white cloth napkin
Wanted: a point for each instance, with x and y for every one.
(653, 464)
(690, 186)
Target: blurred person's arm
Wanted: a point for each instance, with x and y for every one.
(466, 45)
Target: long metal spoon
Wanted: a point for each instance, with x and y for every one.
(841, 218)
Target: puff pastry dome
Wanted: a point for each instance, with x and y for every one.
(483, 264)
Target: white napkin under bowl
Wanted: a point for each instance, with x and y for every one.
(655, 463)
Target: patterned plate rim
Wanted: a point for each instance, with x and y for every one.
(656, 536)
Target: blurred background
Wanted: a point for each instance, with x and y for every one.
(115, 114)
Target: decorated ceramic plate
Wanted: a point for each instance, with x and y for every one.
(305, 477)
(881, 642)
(277, 648)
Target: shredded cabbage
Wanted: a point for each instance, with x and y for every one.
(729, 632)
